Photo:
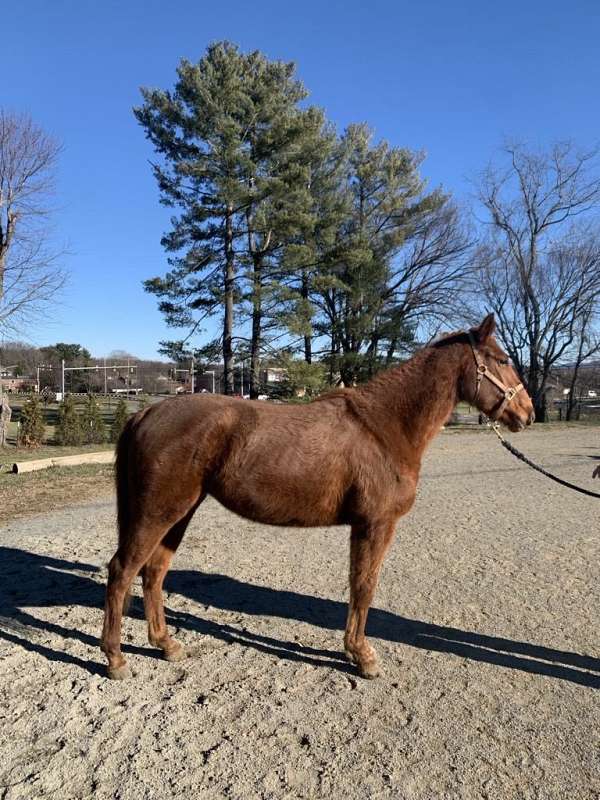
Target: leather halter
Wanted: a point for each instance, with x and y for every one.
(509, 393)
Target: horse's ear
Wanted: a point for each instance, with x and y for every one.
(486, 329)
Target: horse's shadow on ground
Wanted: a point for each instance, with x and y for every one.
(31, 581)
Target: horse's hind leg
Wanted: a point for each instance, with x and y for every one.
(153, 575)
(133, 552)
(368, 546)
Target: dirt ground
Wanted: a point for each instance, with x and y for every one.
(486, 622)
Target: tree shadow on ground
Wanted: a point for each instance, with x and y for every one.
(40, 581)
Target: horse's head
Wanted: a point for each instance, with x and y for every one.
(491, 383)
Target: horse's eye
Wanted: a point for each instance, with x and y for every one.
(504, 362)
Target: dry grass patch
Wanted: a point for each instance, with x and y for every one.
(53, 488)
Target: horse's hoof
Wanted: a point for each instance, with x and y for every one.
(351, 657)
(176, 653)
(369, 669)
(119, 673)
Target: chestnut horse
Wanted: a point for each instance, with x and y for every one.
(351, 457)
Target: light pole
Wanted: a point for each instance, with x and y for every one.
(211, 372)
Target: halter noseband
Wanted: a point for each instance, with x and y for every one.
(482, 371)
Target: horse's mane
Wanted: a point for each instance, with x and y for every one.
(446, 339)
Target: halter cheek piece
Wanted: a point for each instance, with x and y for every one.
(483, 372)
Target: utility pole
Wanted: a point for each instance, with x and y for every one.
(63, 379)
(39, 368)
(105, 385)
(192, 374)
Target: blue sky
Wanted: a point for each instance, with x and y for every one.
(452, 78)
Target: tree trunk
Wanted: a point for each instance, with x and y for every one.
(307, 336)
(579, 360)
(256, 328)
(536, 388)
(228, 376)
(571, 400)
(540, 402)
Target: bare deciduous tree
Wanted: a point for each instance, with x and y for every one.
(30, 274)
(587, 343)
(539, 271)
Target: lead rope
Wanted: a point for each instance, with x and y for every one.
(518, 454)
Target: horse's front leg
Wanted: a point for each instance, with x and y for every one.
(368, 546)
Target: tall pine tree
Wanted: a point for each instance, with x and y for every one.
(228, 134)
(398, 257)
(320, 204)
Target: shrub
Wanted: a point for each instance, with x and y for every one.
(121, 417)
(93, 424)
(32, 423)
(303, 379)
(69, 430)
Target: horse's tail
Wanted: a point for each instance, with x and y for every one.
(122, 480)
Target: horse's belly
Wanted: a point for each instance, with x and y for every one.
(283, 477)
(279, 505)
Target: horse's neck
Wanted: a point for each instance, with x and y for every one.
(409, 404)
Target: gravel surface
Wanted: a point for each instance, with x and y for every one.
(485, 621)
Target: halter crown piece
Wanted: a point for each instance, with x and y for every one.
(509, 393)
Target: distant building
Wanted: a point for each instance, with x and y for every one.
(273, 375)
(210, 378)
(22, 383)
